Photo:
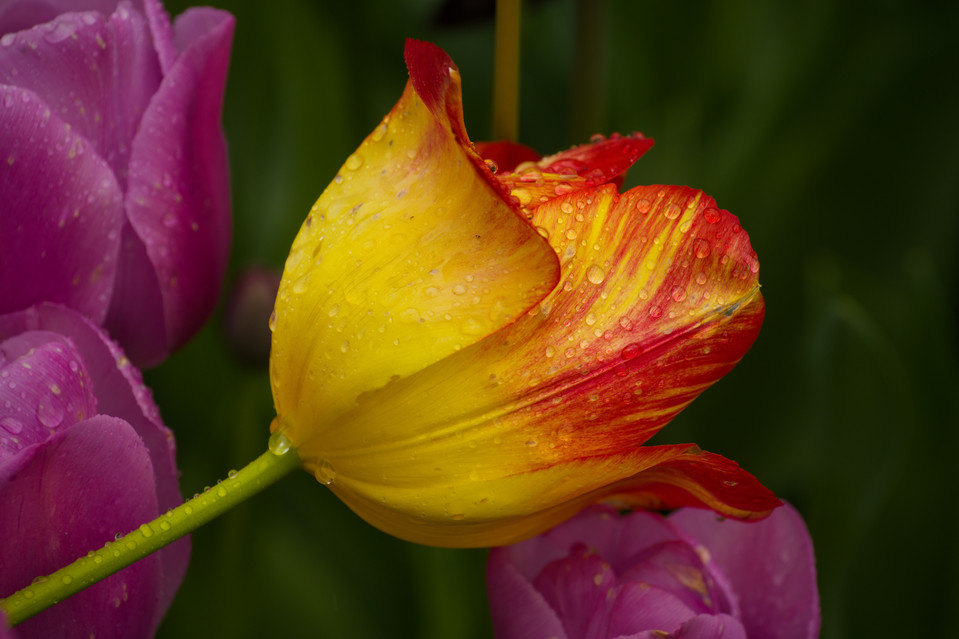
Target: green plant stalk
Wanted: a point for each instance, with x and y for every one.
(150, 537)
(506, 71)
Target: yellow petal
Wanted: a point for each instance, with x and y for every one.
(409, 255)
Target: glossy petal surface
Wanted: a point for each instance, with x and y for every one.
(178, 201)
(770, 565)
(96, 472)
(61, 369)
(411, 254)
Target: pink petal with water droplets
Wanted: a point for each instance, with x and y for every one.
(80, 488)
(44, 388)
(60, 230)
(96, 72)
(120, 392)
(178, 196)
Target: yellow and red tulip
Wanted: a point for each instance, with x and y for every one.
(469, 354)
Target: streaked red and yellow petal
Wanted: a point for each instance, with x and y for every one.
(411, 254)
(533, 183)
(659, 298)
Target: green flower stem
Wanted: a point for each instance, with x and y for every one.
(150, 537)
(506, 71)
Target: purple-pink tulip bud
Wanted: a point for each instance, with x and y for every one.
(114, 184)
(691, 575)
(84, 457)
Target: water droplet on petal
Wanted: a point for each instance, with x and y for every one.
(672, 211)
(631, 351)
(353, 162)
(595, 274)
(678, 293)
(272, 321)
(655, 312)
(11, 424)
(712, 215)
(702, 248)
(325, 473)
(50, 415)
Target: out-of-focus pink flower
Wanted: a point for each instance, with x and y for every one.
(84, 456)
(690, 575)
(114, 183)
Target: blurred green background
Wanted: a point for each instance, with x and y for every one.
(831, 129)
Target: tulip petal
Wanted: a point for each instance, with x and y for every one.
(62, 243)
(411, 254)
(712, 627)
(770, 565)
(639, 607)
(44, 387)
(517, 609)
(178, 198)
(578, 588)
(121, 393)
(604, 160)
(98, 472)
(549, 413)
(97, 72)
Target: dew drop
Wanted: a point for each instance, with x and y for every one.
(353, 162)
(169, 220)
(279, 444)
(325, 473)
(550, 351)
(712, 215)
(631, 351)
(272, 321)
(678, 294)
(11, 424)
(378, 132)
(672, 211)
(492, 166)
(626, 323)
(221, 492)
(570, 234)
(333, 310)
(702, 248)
(50, 415)
(459, 289)
(643, 206)
(165, 525)
(566, 207)
(655, 312)
(595, 274)
(67, 580)
(543, 232)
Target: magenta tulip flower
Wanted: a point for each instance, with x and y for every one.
(84, 457)
(691, 575)
(114, 193)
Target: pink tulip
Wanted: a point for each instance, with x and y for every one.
(114, 193)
